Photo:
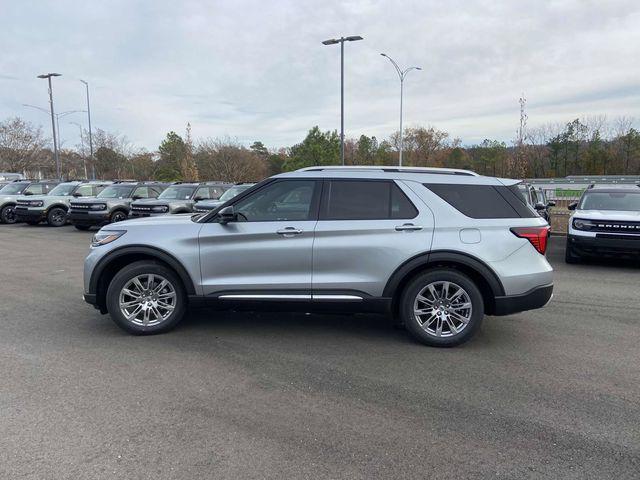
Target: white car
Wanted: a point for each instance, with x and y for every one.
(605, 222)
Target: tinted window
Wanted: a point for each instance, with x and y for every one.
(204, 193)
(366, 200)
(154, 191)
(84, 191)
(35, 189)
(290, 200)
(482, 201)
(141, 192)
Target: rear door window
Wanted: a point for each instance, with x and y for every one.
(482, 201)
(365, 200)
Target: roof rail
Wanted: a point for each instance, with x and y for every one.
(383, 168)
(126, 181)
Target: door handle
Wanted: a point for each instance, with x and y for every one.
(288, 231)
(410, 227)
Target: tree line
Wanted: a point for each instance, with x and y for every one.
(592, 146)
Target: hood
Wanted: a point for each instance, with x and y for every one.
(90, 199)
(179, 219)
(209, 203)
(621, 215)
(153, 201)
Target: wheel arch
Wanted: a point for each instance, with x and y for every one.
(485, 278)
(56, 205)
(114, 261)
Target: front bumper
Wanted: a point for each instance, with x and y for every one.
(535, 298)
(605, 245)
(27, 214)
(133, 214)
(98, 217)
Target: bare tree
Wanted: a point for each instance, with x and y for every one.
(21, 144)
(227, 160)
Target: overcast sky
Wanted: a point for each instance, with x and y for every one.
(256, 69)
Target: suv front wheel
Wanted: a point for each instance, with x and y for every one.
(442, 308)
(145, 298)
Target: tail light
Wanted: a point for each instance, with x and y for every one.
(536, 235)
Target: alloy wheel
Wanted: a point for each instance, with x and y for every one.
(443, 309)
(147, 300)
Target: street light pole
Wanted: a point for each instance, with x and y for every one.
(402, 74)
(57, 116)
(84, 157)
(93, 166)
(341, 41)
(53, 123)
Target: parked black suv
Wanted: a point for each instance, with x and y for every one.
(10, 193)
(537, 199)
(112, 204)
(179, 198)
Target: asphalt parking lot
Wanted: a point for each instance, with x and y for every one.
(553, 393)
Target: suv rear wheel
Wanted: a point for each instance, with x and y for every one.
(145, 298)
(442, 308)
(57, 217)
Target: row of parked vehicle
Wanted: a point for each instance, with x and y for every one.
(97, 203)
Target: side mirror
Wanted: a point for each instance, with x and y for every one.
(551, 203)
(28, 193)
(539, 206)
(226, 215)
(77, 194)
(572, 206)
(136, 197)
(199, 198)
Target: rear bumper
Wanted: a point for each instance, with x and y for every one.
(607, 245)
(535, 298)
(24, 214)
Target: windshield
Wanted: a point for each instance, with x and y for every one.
(626, 201)
(177, 193)
(116, 191)
(64, 189)
(233, 191)
(13, 188)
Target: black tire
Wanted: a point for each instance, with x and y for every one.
(448, 338)
(118, 216)
(8, 214)
(124, 276)
(57, 217)
(84, 228)
(570, 255)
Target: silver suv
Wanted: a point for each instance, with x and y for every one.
(436, 248)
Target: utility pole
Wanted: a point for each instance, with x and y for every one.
(93, 164)
(341, 41)
(53, 121)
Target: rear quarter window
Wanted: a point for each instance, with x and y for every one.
(482, 201)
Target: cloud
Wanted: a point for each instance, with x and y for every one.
(257, 70)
